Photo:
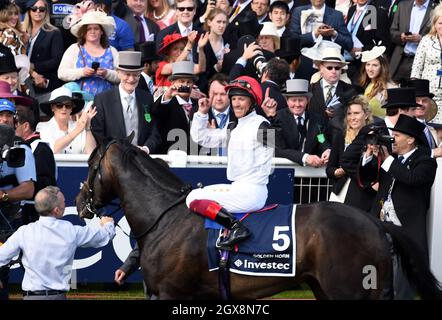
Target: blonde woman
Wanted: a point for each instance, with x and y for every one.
(45, 47)
(375, 79)
(161, 12)
(345, 189)
(427, 61)
(11, 33)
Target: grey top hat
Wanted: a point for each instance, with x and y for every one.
(129, 61)
(297, 88)
(182, 69)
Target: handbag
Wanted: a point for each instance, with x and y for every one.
(340, 197)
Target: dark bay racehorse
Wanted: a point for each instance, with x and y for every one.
(334, 242)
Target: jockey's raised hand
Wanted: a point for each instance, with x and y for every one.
(204, 105)
(269, 105)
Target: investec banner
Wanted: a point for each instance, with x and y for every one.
(99, 265)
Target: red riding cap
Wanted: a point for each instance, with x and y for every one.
(251, 87)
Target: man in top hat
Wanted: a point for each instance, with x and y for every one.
(290, 51)
(405, 179)
(175, 108)
(301, 137)
(330, 63)
(16, 184)
(425, 112)
(148, 56)
(125, 109)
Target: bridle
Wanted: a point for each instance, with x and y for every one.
(91, 208)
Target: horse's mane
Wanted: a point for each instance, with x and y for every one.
(147, 166)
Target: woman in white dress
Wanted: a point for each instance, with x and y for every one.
(428, 62)
(63, 134)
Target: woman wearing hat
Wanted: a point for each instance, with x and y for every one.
(91, 62)
(268, 38)
(63, 134)
(249, 162)
(45, 46)
(375, 79)
(11, 31)
(176, 48)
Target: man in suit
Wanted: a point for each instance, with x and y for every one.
(425, 112)
(125, 109)
(185, 11)
(323, 21)
(219, 115)
(240, 8)
(279, 14)
(142, 27)
(261, 8)
(300, 133)
(410, 24)
(405, 179)
(174, 110)
(330, 64)
(148, 57)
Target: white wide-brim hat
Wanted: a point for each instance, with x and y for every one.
(269, 29)
(372, 54)
(331, 55)
(95, 17)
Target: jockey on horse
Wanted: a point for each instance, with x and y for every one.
(249, 161)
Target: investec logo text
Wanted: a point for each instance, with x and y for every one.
(263, 265)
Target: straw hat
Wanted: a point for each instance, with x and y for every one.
(331, 55)
(95, 17)
(372, 54)
(314, 53)
(269, 29)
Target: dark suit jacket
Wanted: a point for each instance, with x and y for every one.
(46, 56)
(109, 121)
(173, 28)
(135, 26)
(332, 17)
(287, 136)
(317, 102)
(401, 24)
(410, 194)
(172, 116)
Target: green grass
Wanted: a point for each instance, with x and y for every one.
(135, 292)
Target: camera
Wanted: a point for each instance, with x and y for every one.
(259, 62)
(95, 65)
(377, 135)
(14, 156)
(184, 89)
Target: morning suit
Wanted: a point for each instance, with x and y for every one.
(288, 141)
(170, 116)
(109, 121)
(410, 193)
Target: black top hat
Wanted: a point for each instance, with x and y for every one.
(148, 51)
(248, 24)
(422, 87)
(401, 98)
(290, 48)
(7, 61)
(412, 127)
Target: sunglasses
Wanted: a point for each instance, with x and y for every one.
(35, 9)
(61, 105)
(181, 9)
(331, 68)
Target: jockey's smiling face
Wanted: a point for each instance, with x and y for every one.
(241, 105)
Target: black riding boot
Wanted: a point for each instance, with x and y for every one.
(238, 232)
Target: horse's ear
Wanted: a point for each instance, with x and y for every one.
(131, 136)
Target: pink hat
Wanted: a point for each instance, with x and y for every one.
(5, 92)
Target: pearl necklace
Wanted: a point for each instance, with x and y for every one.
(161, 16)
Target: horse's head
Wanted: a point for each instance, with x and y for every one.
(97, 190)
